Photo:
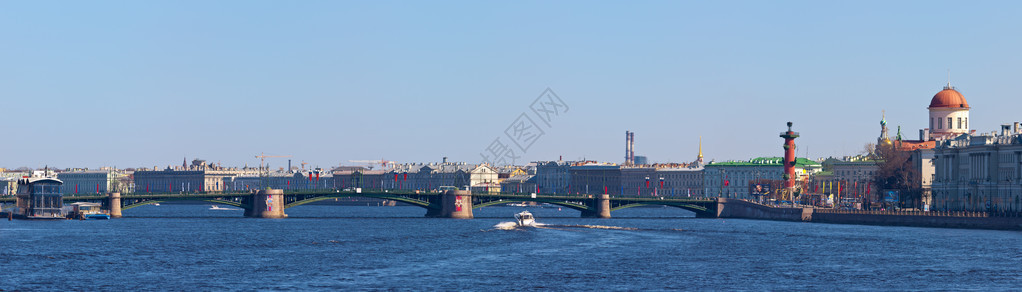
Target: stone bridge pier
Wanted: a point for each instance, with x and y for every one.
(600, 207)
(266, 204)
(114, 204)
(455, 204)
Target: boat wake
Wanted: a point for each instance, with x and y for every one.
(511, 225)
(595, 227)
(514, 226)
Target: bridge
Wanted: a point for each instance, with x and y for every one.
(448, 204)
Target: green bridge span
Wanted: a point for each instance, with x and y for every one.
(450, 204)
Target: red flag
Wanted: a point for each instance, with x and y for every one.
(395, 176)
(317, 176)
(97, 188)
(310, 176)
(604, 189)
(76, 188)
(727, 182)
(661, 183)
(406, 176)
(647, 182)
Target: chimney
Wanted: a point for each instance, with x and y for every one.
(924, 135)
(629, 148)
(627, 144)
(1017, 129)
(1005, 130)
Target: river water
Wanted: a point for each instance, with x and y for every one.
(191, 247)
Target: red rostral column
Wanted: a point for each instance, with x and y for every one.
(789, 157)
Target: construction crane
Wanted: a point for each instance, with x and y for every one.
(303, 165)
(381, 162)
(262, 158)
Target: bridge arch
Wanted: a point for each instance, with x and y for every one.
(695, 208)
(161, 200)
(578, 207)
(408, 200)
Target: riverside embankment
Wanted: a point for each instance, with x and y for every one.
(731, 208)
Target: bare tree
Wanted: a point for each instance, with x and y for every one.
(896, 172)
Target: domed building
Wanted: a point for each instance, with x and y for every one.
(949, 114)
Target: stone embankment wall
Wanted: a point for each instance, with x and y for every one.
(730, 208)
(973, 220)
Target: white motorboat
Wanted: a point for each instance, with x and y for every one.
(525, 219)
(215, 207)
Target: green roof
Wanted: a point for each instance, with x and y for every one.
(767, 161)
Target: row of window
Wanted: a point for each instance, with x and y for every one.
(962, 123)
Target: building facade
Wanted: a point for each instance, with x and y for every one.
(979, 172)
(594, 178)
(85, 182)
(553, 177)
(731, 179)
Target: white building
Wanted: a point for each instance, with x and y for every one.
(949, 113)
(979, 172)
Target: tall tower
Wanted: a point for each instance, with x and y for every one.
(699, 159)
(949, 113)
(789, 157)
(883, 139)
(628, 148)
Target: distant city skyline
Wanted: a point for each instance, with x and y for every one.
(143, 84)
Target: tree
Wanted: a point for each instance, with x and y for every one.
(896, 172)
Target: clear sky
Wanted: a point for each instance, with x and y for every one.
(145, 83)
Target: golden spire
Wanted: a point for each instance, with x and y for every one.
(700, 147)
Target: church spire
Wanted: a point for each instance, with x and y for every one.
(883, 139)
(699, 159)
(700, 147)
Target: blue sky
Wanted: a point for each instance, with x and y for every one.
(144, 83)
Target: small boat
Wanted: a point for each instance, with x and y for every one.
(525, 219)
(215, 207)
(156, 204)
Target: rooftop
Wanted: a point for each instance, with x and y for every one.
(767, 161)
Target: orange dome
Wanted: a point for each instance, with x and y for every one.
(949, 97)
